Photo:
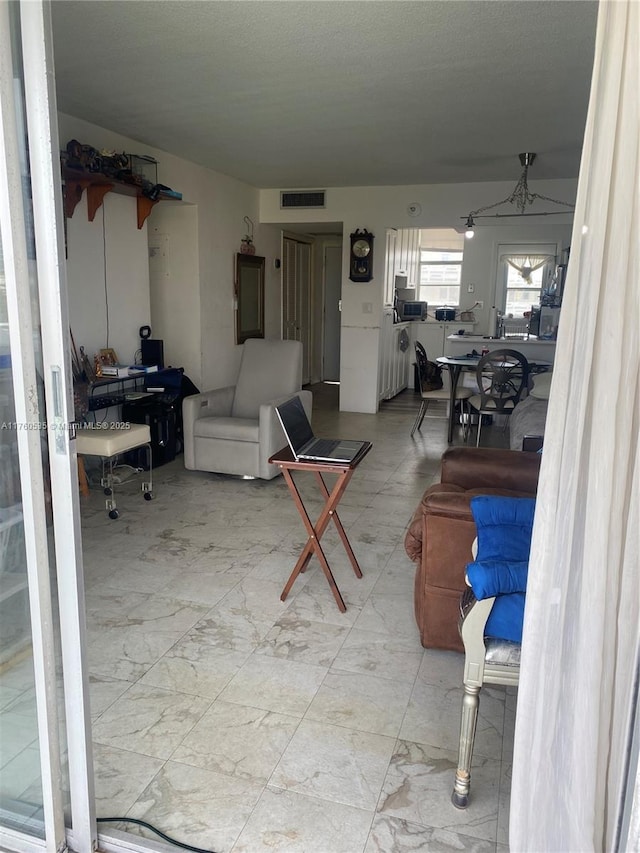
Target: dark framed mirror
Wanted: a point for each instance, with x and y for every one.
(250, 297)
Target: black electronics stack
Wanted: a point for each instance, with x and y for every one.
(160, 412)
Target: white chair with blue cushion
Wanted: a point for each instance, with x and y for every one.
(491, 613)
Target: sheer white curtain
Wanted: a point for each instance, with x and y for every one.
(581, 635)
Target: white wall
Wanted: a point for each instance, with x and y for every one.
(174, 281)
(221, 203)
(379, 208)
(108, 277)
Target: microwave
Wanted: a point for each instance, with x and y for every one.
(412, 310)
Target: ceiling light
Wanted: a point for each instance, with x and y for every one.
(521, 197)
(469, 226)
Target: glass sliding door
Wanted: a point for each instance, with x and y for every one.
(43, 783)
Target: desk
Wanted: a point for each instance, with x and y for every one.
(285, 460)
(455, 366)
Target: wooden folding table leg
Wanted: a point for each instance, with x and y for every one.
(313, 542)
(338, 523)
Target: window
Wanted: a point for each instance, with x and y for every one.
(520, 294)
(524, 270)
(440, 276)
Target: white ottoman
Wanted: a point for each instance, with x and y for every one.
(108, 442)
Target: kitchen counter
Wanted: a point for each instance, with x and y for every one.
(532, 348)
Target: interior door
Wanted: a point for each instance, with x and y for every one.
(332, 293)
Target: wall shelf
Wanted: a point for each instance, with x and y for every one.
(97, 186)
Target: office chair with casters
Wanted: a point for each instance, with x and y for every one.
(428, 393)
(503, 377)
(491, 613)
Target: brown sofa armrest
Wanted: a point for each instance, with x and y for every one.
(483, 467)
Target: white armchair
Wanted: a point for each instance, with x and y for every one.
(235, 430)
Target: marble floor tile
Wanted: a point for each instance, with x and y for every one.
(288, 822)
(237, 741)
(393, 835)
(388, 614)
(504, 803)
(103, 692)
(362, 702)
(199, 587)
(354, 590)
(194, 666)
(444, 669)
(196, 806)
(433, 717)
(126, 653)
(149, 720)
(238, 631)
(120, 777)
(418, 789)
(335, 763)
(382, 655)
(138, 576)
(255, 599)
(303, 641)
(275, 684)
(315, 602)
(396, 579)
(277, 566)
(156, 613)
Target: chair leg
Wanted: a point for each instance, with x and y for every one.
(470, 703)
(147, 485)
(479, 428)
(466, 420)
(107, 484)
(420, 417)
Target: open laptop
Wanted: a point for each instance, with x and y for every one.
(304, 445)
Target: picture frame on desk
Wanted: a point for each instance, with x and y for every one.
(108, 356)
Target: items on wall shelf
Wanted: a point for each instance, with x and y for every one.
(101, 172)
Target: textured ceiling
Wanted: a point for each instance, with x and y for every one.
(300, 93)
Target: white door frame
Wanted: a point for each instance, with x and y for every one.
(20, 268)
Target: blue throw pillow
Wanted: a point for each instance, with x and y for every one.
(506, 618)
(504, 527)
(497, 577)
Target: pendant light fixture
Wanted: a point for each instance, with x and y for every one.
(521, 197)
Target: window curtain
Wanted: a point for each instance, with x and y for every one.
(526, 264)
(576, 701)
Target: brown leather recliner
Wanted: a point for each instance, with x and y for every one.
(442, 531)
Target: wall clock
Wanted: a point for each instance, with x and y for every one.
(361, 259)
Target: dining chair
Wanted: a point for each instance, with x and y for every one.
(439, 394)
(491, 613)
(502, 377)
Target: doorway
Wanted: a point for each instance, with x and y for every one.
(311, 292)
(332, 291)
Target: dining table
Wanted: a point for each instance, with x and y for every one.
(457, 364)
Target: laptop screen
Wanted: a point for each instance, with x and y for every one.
(295, 423)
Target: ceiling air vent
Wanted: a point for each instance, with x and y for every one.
(304, 198)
